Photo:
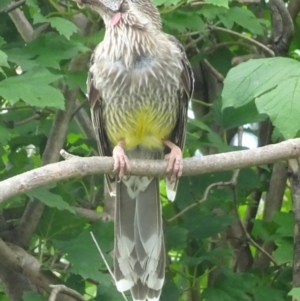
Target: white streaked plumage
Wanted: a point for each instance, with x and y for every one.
(139, 85)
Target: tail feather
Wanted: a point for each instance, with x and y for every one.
(139, 242)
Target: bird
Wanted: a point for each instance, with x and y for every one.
(139, 85)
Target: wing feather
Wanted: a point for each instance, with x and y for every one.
(104, 148)
(184, 94)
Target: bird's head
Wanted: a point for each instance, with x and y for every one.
(114, 10)
(108, 9)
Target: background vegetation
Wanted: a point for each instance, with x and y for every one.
(236, 245)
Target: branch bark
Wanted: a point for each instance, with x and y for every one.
(20, 263)
(283, 27)
(79, 167)
(56, 289)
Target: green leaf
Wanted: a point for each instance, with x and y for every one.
(50, 199)
(282, 104)
(39, 18)
(33, 296)
(228, 22)
(76, 79)
(57, 224)
(4, 134)
(274, 84)
(2, 41)
(92, 264)
(245, 18)
(3, 59)
(32, 3)
(285, 221)
(33, 88)
(284, 253)
(42, 49)
(233, 117)
(295, 293)
(263, 293)
(176, 237)
(211, 12)
(222, 3)
(170, 291)
(21, 57)
(229, 286)
(159, 2)
(63, 26)
(182, 20)
(249, 80)
(208, 225)
(109, 292)
(4, 3)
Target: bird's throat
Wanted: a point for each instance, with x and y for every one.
(116, 18)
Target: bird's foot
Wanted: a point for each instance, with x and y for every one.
(174, 167)
(121, 162)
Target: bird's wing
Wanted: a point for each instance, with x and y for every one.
(96, 103)
(184, 94)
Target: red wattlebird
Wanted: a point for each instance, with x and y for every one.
(139, 85)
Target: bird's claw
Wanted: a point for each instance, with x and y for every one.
(174, 167)
(121, 161)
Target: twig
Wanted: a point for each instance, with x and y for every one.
(60, 288)
(258, 44)
(240, 143)
(79, 108)
(225, 44)
(204, 198)
(66, 155)
(22, 24)
(214, 71)
(235, 203)
(12, 6)
(30, 118)
(93, 215)
(194, 42)
(103, 258)
(203, 103)
(244, 58)
(15, 108)
(253, 242)
(197, 3)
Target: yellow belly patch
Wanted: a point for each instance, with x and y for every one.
(147, 127)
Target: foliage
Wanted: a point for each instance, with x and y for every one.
(209, 256)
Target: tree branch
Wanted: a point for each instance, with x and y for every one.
(22, 24)
(20, 262)
(60, 288)
(265, 49)
(204, 198)
(79, 167)
(12, 6)
(283, 27)
(294, 8)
